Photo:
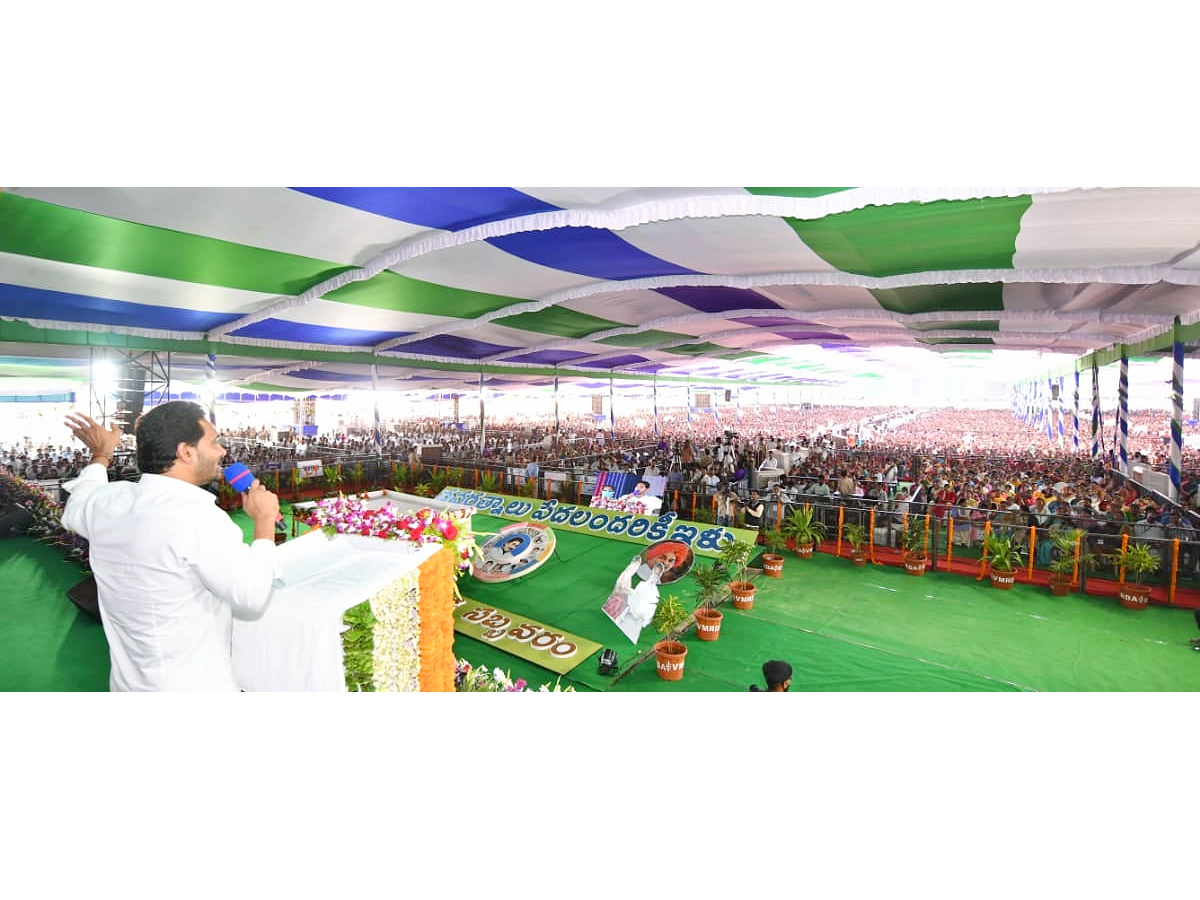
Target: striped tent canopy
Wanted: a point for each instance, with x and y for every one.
(323, 289)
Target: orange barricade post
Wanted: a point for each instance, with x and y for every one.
(949, 540)
(837, 550)
(1174, 570)
(925, 548)
(871, 536)
(779, 514)
(1075, 571)
(987, 530)
(1032, 547)
(1124, 546)
(476, 477)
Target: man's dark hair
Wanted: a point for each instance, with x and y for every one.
(776, 672)
(646, 483)
(161, 430)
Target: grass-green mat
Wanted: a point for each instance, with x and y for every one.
(842, 628)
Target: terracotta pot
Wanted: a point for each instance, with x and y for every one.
(743, 594)
(1060, 586)
(791, 544)
(772, 565)
(708, 623)
(804, 551)
(1003, 580)
(1134, 596)
(668, 658)
(858, 557)
(914, 563)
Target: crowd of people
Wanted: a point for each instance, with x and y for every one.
(956, 460)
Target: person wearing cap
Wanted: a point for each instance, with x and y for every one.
(778, 676)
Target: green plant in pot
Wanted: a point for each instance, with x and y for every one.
(804, 529)
(1138, 561)
(400, 477)
(735, 558)
(294, 481)
(1062, 565)
(333, 478)
(669, 616)
(776, 542)
(856, 534)
(1003, 557)
(709, 583)
(912, 539)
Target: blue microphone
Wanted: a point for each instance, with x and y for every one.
(238, 477)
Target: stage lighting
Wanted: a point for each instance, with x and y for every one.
(608, 661)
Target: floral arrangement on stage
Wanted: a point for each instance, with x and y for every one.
(349, 515)
(403, 638)
(470, 679)
(46, 512)
(631, 506)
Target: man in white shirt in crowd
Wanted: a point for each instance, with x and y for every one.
(171, 568)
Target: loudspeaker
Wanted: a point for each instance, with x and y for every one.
(1053, 391)
(14, 520)
(83, 595)
(431, 454)
(728, 395)
(132, 398)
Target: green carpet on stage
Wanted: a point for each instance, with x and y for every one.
(46, 643)
(842, 628)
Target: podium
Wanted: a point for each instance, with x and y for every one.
(296, 645)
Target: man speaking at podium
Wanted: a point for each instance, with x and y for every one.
(171, 568)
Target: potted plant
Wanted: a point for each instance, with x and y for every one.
(1003, 557)
(856, 534)
(804, 530)
(912, 539)
(775, 541)
(709, 580)
(669, 653)
(1062, 566)
(1138, 561)
(400, 478)
(294, 481)
(333, 478)
(735, 558)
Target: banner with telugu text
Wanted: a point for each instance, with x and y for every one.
(550, 648)
(704, 539)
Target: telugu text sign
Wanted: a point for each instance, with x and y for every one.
(705, 540)
(551, 648)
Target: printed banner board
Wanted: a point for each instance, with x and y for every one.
(310, 468)
(551, 648)
(704, 540)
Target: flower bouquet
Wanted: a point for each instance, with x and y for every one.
(342, 515)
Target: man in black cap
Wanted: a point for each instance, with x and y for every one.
(778, 676)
